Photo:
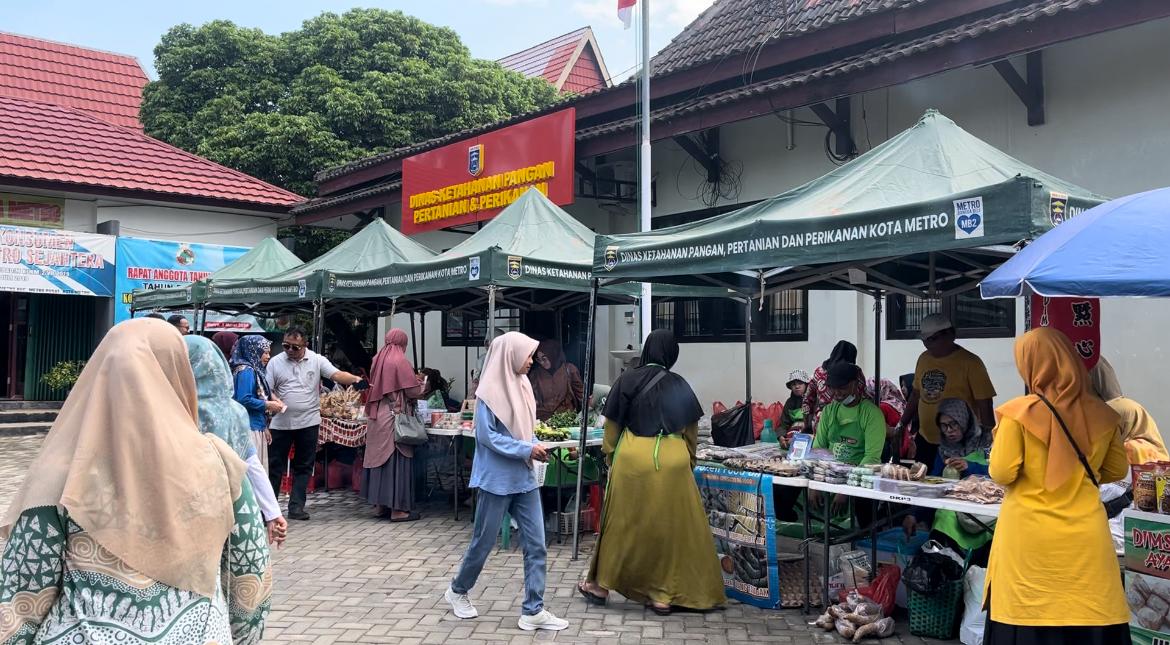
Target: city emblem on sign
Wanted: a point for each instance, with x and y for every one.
(332, 282)
(475, 160)
(185, 256)
(302, 288)
(515, 264)
(611, 258)
(473, 273)
(1058, 208)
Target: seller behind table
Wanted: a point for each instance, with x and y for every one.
(295, 377)
(945, 371)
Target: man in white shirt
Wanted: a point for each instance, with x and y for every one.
(295, 377)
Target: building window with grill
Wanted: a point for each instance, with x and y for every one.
(468, 329)
(973, 317)
(784, 317)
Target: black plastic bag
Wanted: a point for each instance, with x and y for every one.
(928, 572)
(732, 428)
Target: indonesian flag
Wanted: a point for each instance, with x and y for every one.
(626, 11)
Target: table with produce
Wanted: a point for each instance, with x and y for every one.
(767, 465)
(561, 437)
(343, 418)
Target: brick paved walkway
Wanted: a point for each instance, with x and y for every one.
(346, 577)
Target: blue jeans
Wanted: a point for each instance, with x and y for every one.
(525, 508)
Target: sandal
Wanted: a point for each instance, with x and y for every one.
(409, 518)
(661, 611)
(590, 597)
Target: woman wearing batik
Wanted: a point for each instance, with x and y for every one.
(129, 515)
(664, 559)
(248, 361)
(388, 478)
(221, 416)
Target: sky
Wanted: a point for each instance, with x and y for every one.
(491, 29)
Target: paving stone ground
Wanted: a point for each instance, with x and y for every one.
(346, 577)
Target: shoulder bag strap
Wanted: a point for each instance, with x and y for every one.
(1080, 455)
(649, 384)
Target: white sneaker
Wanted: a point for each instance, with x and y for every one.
(460, 604)
(543, 620)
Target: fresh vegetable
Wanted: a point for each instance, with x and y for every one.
(544, 432)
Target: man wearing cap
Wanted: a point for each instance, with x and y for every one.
(945, 371)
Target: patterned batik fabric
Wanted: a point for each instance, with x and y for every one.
(57, 585)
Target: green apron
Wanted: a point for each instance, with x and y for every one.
(947, 522)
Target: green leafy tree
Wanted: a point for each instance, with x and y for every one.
(342, 87)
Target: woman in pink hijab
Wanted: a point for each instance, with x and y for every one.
(388, 479)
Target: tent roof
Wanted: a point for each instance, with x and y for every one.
(932, 189)
(532, 245)
(1115, 249)
(376, 246)
(264, 260)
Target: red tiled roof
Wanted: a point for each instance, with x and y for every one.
(552, 60)
(108, 86)
(42, 142)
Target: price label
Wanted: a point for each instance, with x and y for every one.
(900, 498)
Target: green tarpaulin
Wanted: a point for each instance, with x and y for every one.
(264, 260)
(532, 246)
(378, 245)
(934, 190)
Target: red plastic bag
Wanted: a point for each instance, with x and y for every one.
(776, 413)
(718, 408)
(883, 590)
(759, 413)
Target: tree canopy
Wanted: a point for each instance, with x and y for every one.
(342, 87)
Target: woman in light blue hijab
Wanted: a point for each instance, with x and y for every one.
(221, 415)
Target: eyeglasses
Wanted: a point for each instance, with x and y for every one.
(953, 425)
(289, 347)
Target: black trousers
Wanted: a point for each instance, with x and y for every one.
(304, 440)
(925, 452)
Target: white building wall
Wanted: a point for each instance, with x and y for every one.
(1106, 131)
(188, 224)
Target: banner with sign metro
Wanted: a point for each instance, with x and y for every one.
(474, 179)
(44, 260)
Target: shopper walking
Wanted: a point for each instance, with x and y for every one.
(295, 377)
(1052, 450)
(223, 417)
(662, 559)
(226, 342)
(506, 446)
(249, 360)
(130, 524)
(945, 371)
(388, 476)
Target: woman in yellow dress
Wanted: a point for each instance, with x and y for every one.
(1053, 576)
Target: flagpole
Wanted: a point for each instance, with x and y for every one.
(644, 171)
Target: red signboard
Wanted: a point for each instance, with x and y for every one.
(473, 180)
(1078, 318)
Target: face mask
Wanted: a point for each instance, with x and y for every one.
(849, 400)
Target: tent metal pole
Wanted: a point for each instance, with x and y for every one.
(422, 339)
(413, 341)
(393, 310)
(877, 347)
(319, 327)
(747, 346)
(589, 377)
(491, 313)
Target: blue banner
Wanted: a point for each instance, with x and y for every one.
(45, 260)
(159, 264)
(740, 510)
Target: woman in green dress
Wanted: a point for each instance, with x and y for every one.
(667, 558)
(131, 526)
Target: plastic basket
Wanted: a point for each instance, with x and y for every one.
(936, 615)
(565, 521)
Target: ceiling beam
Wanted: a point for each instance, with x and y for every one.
(1029, 90)
(839, 122)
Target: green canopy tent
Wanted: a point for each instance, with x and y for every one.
(266, 259)
(928, 213)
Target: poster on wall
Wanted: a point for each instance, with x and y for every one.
(743, 522)
(41, 260)
(160, 264)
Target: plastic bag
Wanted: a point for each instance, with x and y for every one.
(974, 618)
(932, 568)
(776, 414)
(732, 428)
(759, 413)
(854, 567)
(718, 407)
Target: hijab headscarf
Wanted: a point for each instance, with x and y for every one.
(974, 438)
(226, 342)
(219, 413)
(668, 406)
(390, 372)
(553, 387)
(126, 460)
(1143, 441)
(248, 353)
(887, 393)
(1050, 367)
(506, 391)
(843, 352)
